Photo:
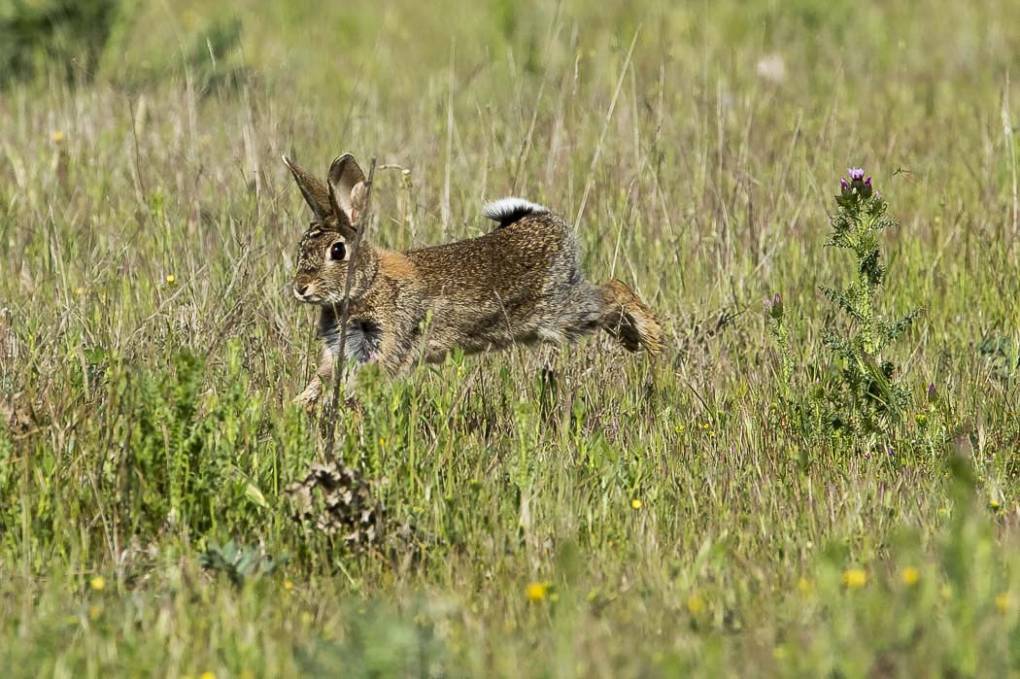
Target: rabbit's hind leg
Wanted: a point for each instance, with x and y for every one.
(628, 319)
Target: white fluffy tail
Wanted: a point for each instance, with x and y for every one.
(506, 211)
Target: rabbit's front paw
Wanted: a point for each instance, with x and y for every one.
(308, 398)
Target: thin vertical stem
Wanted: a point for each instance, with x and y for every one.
(340, 365)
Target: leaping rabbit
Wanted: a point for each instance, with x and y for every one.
(521, 283)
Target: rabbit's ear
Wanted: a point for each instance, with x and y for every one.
(347, 189)
(315, 192)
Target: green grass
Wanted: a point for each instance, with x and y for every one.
(144, 422)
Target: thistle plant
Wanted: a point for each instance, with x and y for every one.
(777, 326)
(860, 395)
(865, 396)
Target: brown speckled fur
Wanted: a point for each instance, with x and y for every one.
(518, 284)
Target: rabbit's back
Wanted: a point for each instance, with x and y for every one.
(527, 255)
(502, 287)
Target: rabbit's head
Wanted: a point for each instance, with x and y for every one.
(325, 251)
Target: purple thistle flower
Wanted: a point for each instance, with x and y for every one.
(865, 187)
(774, 306)
(932, 393)
(856, 184)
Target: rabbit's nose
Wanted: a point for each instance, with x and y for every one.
(301, 290)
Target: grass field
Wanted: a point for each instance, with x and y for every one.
(552, 512)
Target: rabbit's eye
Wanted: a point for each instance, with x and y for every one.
(338, 251)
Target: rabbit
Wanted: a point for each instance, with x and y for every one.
(518, 284)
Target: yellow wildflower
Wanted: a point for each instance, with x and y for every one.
(536, 591)
(1002, 603)
(288, 585)
(171, 279)
(98, 583)
(95, 612)
(910, 576)
(57, 136)
(635, 504)
(207, 675)
(695, 604)
(855, 578)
